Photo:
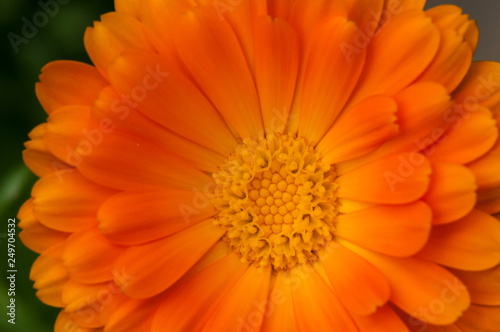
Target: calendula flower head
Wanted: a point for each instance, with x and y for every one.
(269, 165)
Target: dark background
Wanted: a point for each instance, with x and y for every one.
(62, 38)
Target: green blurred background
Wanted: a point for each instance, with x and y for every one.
(62, 38)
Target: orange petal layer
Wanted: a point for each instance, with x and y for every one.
(360, 130)
(472, 243)
(392, 230)
(448, 198)
(136, 217)
(359, 286)
(96, 265)
(191, 302)
(432, 295)
(68, 83)
(395, 179)
(276, 66)
(68, 204)
(200, 31)
(157, 265)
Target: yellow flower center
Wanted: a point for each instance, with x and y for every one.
(277, 201)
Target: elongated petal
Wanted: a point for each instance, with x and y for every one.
(68, 83)
(137, 217)
(395, 179)
(448, 198)
(157, 265)
(484, 286)
(315, 305)
(109, 38)
(162, 93)
(392, 230)
(49, 276)
(410, 53)
(68, 204)
(189, 305)
(361, 130)
(472, 243)
(276, 67)
(420, 294)
(200, 31)
(96, 265)
(359, 286)
(326, 88)
(244, 303)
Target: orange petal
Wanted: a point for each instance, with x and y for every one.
(422, 289)
(243, 17)
(451, 63)
(34, 235)
(472, 243)
(479, 87)
(200, 31)
(420, 115)
(485, 170)
(133, 315)
(163, 94)
(276, 66)
(109, 38)
(37, 157)
(488, 200)
(315, 305)
(359, 286)
(68, 204)
(64, 131)
(396, 7)
(87, 304)
(360, 130)
(410, 54)
(383, 320)
(126, 161)
(480, 318)
(136, 217)
(448, 17)
(243, 308)
(305, 18)
(64, 323)
(448, 198)
(392, 230)
(279, 314)
(191, 302)
(96, 263)
(329, 79)
(472, 134)
(420, 109)
(366, 14)
(157, 265)
(395, 179)
(484, 286)
(128, 7)
(68, 83)
(112, 113)
(49, 276)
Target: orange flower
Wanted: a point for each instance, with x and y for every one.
(269, 165)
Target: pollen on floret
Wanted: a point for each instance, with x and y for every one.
(284, 212)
